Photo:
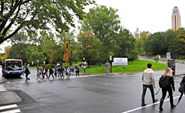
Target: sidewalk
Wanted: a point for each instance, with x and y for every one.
(2, 79)
(179, 65)
(7, 97)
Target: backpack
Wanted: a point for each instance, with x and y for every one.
(164, 81)
(182, 85)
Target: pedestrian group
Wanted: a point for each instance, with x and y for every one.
(58, 71)
(166, 83)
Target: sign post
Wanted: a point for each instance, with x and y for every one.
(111, 59)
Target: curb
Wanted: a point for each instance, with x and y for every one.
(2, 80)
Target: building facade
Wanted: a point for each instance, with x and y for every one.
(176, 19)
(137, 34)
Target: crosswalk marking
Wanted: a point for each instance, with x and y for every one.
(139, 108)
(9, 109)
(8, 106)
(12, 111)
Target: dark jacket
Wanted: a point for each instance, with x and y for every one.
(171, 80)
(77, 70)
(50, 71)
(27, 71)
(183, 80)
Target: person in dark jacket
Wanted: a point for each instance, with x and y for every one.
(50, 72)
(183, 80)
(27, 72)
(77, 70)
(168, 73)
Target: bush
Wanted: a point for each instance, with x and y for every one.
(48, 65)
(156, 58)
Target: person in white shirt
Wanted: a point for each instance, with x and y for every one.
(148, 82)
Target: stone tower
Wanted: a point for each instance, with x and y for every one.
(137, 33)
(176, 18)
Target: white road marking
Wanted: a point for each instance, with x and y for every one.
(8, 106)
(129, 111)
(12, 111)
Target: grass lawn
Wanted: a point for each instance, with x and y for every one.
(181, 59)
(135, 66)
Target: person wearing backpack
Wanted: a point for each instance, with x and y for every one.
(51, 72)
(167, 85)
(148, 82)
(27, 72)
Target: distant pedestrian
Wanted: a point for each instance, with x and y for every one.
(148, 82)
(170, 86)
(62, 72)
(43, 72)
(56, 71)
(46, 70)
(38, 73)
(51, 72)
(77, 70)
(80, 65)
(68, 72)
(27, 72)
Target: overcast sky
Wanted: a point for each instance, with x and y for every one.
(146, 15)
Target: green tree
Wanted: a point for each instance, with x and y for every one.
(171, 41)
(143, 39)
(30, 15)
(26, 52)
(60, 47)
(89, 46)
(180, 42)
(156, 44)
(127, 45)
(104, 24)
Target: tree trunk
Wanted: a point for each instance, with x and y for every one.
(88, 62)
(71, 58)
(99, 61)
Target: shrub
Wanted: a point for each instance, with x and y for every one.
(156, 58)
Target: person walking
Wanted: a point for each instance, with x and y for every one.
(50, 72)
(77, 70)
(148, 82)
(27, 72)
(38, 73)
(43, 72)
(68, 72)
(56, 71)
(46, 72)
(168, 76)
(59, 71)
(62, 72)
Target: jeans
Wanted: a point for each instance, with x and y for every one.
(77, 73)
(27, 77)
(50, 75)
(164, 90)
(68, 74)
(61, 74)
(144, 92)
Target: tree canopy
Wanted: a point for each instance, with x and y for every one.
(30, 15)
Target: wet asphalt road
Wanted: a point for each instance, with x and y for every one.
(116, 93)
